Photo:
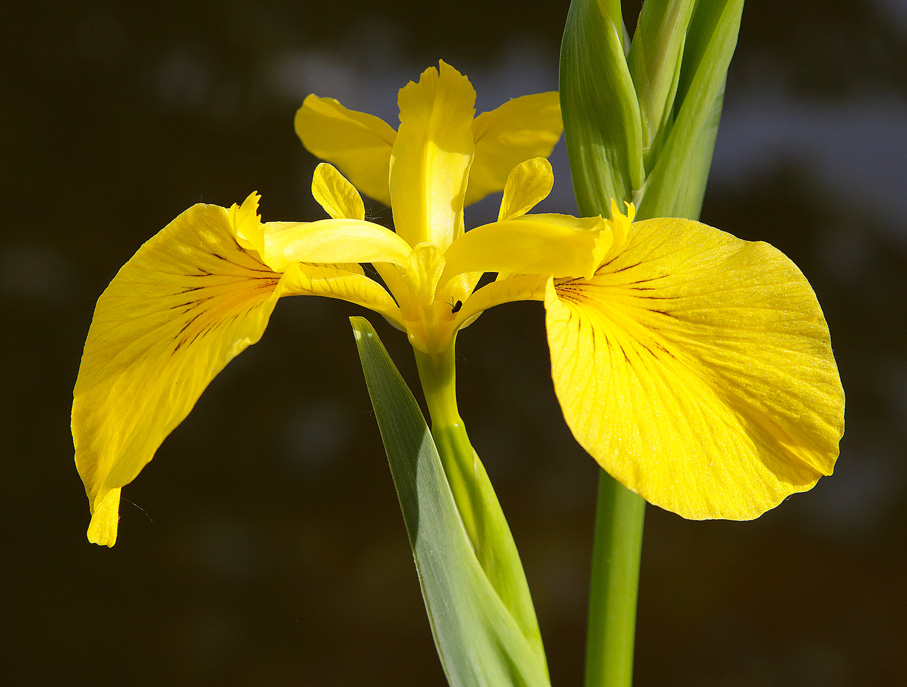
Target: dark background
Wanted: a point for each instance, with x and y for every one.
(264, 545)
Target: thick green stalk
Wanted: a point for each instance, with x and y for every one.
(616, 555)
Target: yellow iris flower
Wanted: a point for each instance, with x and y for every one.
(696, 368)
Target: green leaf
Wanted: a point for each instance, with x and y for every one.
(602, 121)
(676, 184)
(478, 640)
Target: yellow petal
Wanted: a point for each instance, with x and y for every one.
(423, 270)
(246, 226)
(696, 368)
(335, 194)
(558, 245)
(620, 226)
(270, 254)
(358, 143)
(105, 517)
(334, 281)
(528, 184)
(431, 157)
(184, 305)
(521, 287)
(332, 241)
(518, 130)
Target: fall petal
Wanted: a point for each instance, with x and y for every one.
(185, 304)
(696, 368)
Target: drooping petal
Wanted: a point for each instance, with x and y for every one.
(431, 156)
(696, 368)
(518, 130)
(332, 241)
(185, 304)
(528, 184)
(358, 143)
(554, 245)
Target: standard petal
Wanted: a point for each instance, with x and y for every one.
(335, 194)
(431, 156)
(358, 143)
(528, 184)
(518, 130)
(184, 305)
(696, 368)
(558, 245)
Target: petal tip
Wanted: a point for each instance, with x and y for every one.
(104, 519)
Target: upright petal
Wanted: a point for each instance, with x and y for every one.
(518, 130)
(335, 194)
(431, 157)
(528, 184)
(358, 143)
(696, 368)
(185, 304)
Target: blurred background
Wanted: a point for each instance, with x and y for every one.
(264, 544)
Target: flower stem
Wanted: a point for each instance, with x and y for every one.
(616, 554)
(475, 498)
(437, 372)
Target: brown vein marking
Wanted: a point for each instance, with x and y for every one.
(571, 290)
(664, 349)
(192, 303)
(621, 269)
(659, 298)
(605, 264)
(206, 304)
(577, 293)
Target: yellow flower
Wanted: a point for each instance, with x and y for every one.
(694, 367)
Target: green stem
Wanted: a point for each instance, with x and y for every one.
(479, 508)
(616, 554)
(437, 372)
